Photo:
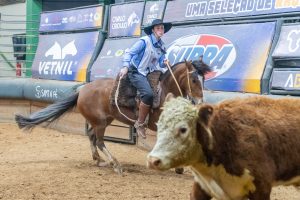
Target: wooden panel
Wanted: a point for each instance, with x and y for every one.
(10, 107)
(70, 122)
(118, 132)
(74, 122)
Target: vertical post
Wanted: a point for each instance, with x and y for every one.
(105, 2)
(18, 69)
(33, 10)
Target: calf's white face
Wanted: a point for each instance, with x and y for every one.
(177, 143)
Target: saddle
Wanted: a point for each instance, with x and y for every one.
(128, 95)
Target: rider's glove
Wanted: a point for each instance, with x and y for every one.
(123, 72)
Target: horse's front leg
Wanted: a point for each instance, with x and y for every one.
(100, 144)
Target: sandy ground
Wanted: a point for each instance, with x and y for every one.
(47, 164)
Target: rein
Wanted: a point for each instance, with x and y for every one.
(116, 101)
(174, 79)
(188, 79)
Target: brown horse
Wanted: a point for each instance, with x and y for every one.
(93, 102)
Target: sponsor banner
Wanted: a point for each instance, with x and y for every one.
(66, 20)
(236, 53)
(153, 10)
(286, 79)
(109, 61)
(289, 42)
(64, 56)
(126, 19)
(179, 10)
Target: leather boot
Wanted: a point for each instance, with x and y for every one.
(140, 124)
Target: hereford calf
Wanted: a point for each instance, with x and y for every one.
(237, 149)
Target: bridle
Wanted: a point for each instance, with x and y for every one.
(189, 95)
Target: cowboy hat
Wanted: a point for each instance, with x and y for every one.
(148, 29)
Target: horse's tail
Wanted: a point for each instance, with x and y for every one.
(49, 114)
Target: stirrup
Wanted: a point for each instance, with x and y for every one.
(140, 128)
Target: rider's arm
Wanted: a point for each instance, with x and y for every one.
(137, 48)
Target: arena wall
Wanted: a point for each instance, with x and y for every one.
(242, 73)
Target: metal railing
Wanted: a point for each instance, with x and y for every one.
(14, 44)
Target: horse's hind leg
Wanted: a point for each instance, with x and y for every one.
(93, 139)
(100, 144)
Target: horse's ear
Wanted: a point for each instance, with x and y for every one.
(169, 97)
(189, 64)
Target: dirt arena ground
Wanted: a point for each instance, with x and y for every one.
(47, 164)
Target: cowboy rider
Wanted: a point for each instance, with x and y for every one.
(145, 56)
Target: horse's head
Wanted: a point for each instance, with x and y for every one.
(190, 78)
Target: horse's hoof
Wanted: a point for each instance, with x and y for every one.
(118, 169)
(179, 170)
(103, 164)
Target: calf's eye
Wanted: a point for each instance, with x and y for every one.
(182, 130)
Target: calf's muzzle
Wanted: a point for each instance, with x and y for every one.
(153, 162)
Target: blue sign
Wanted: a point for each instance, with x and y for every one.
(126, 19)
(286, 79)
(66, 20)
(288, 45)
(109, 61)
(64, 56)
(236, 53)
(153, 10)
(178, 11)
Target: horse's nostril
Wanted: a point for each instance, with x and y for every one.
(156, 162)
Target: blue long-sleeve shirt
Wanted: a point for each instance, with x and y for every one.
(136, 52)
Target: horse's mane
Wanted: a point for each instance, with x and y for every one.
(199, 65)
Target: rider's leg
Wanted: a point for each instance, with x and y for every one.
(146, 94)
(142, 85)
(140, 124)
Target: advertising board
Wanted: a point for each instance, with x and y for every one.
(237, 53)
(75, 19)
(109, 61)
(126, 19)
(64, 56)
(179, 11)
